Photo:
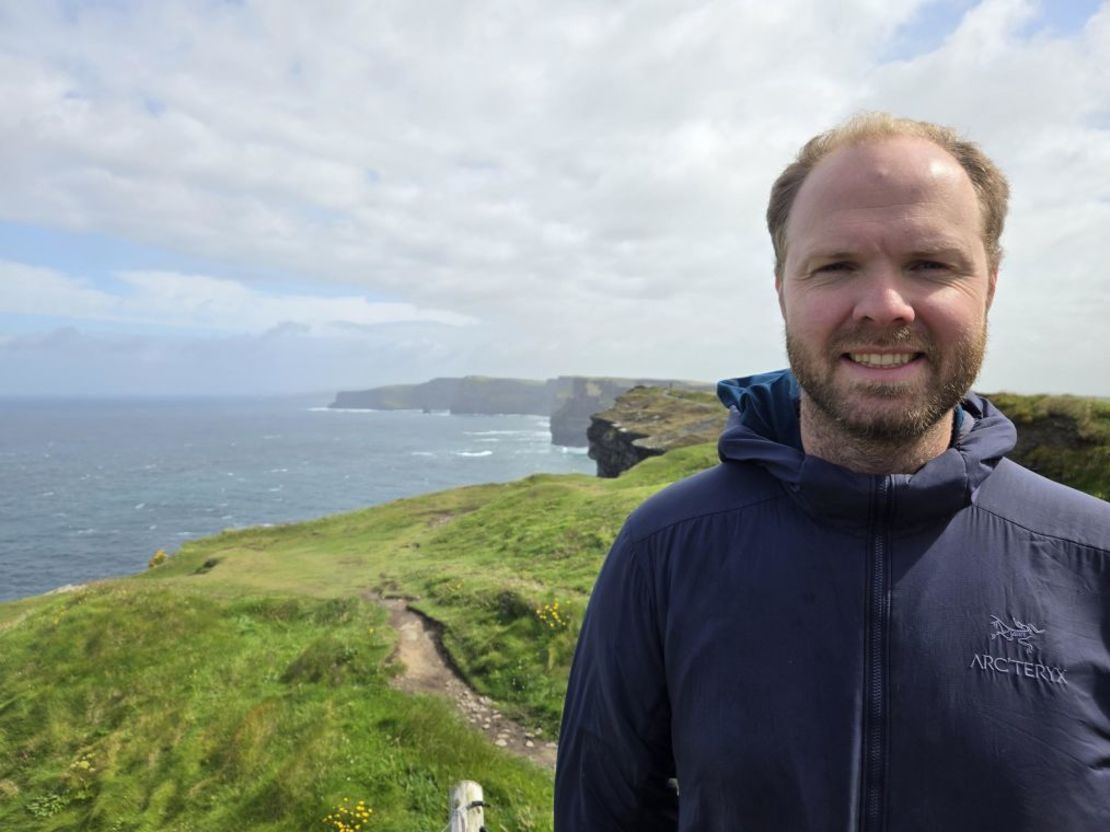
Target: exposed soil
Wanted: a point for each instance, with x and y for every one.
(428, 670)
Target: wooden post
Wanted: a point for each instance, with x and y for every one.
(467, 814)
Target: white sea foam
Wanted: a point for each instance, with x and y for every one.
(139, 506)
(345, 410)
(473, 453)
(423, 453)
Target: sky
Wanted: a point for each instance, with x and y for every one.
(209, 198)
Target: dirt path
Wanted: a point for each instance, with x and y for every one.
(427, 670)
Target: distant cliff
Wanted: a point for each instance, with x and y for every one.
(436, 394)
(569, 401)
(467, 395)
(649, 421)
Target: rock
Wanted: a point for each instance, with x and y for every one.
(207, 566)
(649, 421)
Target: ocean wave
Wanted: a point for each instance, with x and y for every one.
(422, 453)
(473, 453)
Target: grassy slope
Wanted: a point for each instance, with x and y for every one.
(254, 694)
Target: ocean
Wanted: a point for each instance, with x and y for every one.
(90, 489)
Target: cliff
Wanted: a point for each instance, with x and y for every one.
(482, 394)
(569, 401)
(466, 395)
(649, 421)
(578, 398)
(436, 394)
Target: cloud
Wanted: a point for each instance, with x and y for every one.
(283, 360)
(196, 301)
(585, 182)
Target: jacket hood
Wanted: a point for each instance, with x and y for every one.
(764, 429)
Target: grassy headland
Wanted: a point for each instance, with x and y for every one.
(253, 693)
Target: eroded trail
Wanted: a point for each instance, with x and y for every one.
(428, 671)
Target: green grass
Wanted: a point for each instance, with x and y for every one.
(140, 706)
(1065, 438)
(243, 684)
(253, 693)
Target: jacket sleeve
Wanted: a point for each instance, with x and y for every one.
(615, 755)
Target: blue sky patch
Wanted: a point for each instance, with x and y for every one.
(934, 21)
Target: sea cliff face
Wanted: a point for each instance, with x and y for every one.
(578, 398)
(436, 394)
(569, 401)
(649, 421)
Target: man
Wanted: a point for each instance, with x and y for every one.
(865, 618)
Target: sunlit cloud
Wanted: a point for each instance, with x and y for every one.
(574, 187)
(193, 301)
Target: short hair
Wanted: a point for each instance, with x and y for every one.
(991, 187)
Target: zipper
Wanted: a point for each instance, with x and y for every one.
(873, 751)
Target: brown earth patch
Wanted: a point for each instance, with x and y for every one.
(427, 669)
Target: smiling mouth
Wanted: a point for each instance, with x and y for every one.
(884, 360)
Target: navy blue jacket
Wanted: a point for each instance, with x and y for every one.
(806, 648)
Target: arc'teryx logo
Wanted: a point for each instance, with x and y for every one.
(1023, 634)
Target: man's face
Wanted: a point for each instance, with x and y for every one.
(885, 287)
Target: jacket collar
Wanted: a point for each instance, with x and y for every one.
(763, 429)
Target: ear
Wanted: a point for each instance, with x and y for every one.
(992, 283)
(778, 291)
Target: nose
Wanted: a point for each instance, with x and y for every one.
(884, 299)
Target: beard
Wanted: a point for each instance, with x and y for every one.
(888, 412)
